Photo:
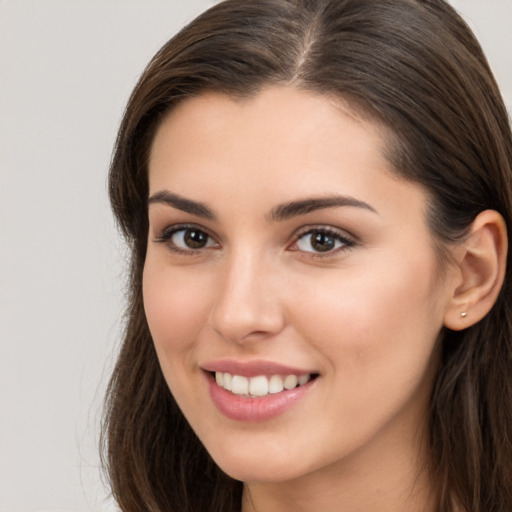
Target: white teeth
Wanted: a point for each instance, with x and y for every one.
(240, 385)
(303, 379)
(260, 385)
(275, 384)
(228, 378)
(291, 381)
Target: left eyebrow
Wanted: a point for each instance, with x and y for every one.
(302, 207)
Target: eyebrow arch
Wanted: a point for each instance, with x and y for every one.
(304, 206)
(181, 203)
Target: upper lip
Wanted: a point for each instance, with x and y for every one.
(253, 368)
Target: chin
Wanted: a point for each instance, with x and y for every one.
(259, 467)
(270, 473)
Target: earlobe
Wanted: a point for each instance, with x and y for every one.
(481, 265)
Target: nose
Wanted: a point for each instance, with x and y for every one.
(247, 306)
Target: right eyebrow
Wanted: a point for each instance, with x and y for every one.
(181, 203)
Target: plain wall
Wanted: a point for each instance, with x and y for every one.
(66, 70)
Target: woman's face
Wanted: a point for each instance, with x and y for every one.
(283, 253)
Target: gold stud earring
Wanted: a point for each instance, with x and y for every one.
(463, 314)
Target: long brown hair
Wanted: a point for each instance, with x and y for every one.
(414, 66)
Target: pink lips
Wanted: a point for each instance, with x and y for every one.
(248, 409)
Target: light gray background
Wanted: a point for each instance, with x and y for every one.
(66, 70)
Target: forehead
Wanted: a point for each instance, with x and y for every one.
(282, 130)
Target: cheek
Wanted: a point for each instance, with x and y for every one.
(176, 307)
(386, 315)
(377, 334)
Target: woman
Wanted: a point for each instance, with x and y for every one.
(316, 194)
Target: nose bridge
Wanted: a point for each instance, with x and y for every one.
(247, 303)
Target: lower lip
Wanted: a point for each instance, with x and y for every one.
(242, 408)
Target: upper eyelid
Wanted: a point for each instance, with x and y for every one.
(342, 233)
(174, 228)
(164, 236)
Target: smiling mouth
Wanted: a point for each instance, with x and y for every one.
(261, 385)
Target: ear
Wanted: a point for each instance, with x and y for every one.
(480, 269)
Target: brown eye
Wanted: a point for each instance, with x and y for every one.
(322, 241)
(194, 239)
(186, 239)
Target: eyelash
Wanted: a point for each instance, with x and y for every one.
(345, 242)
(168, 233)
